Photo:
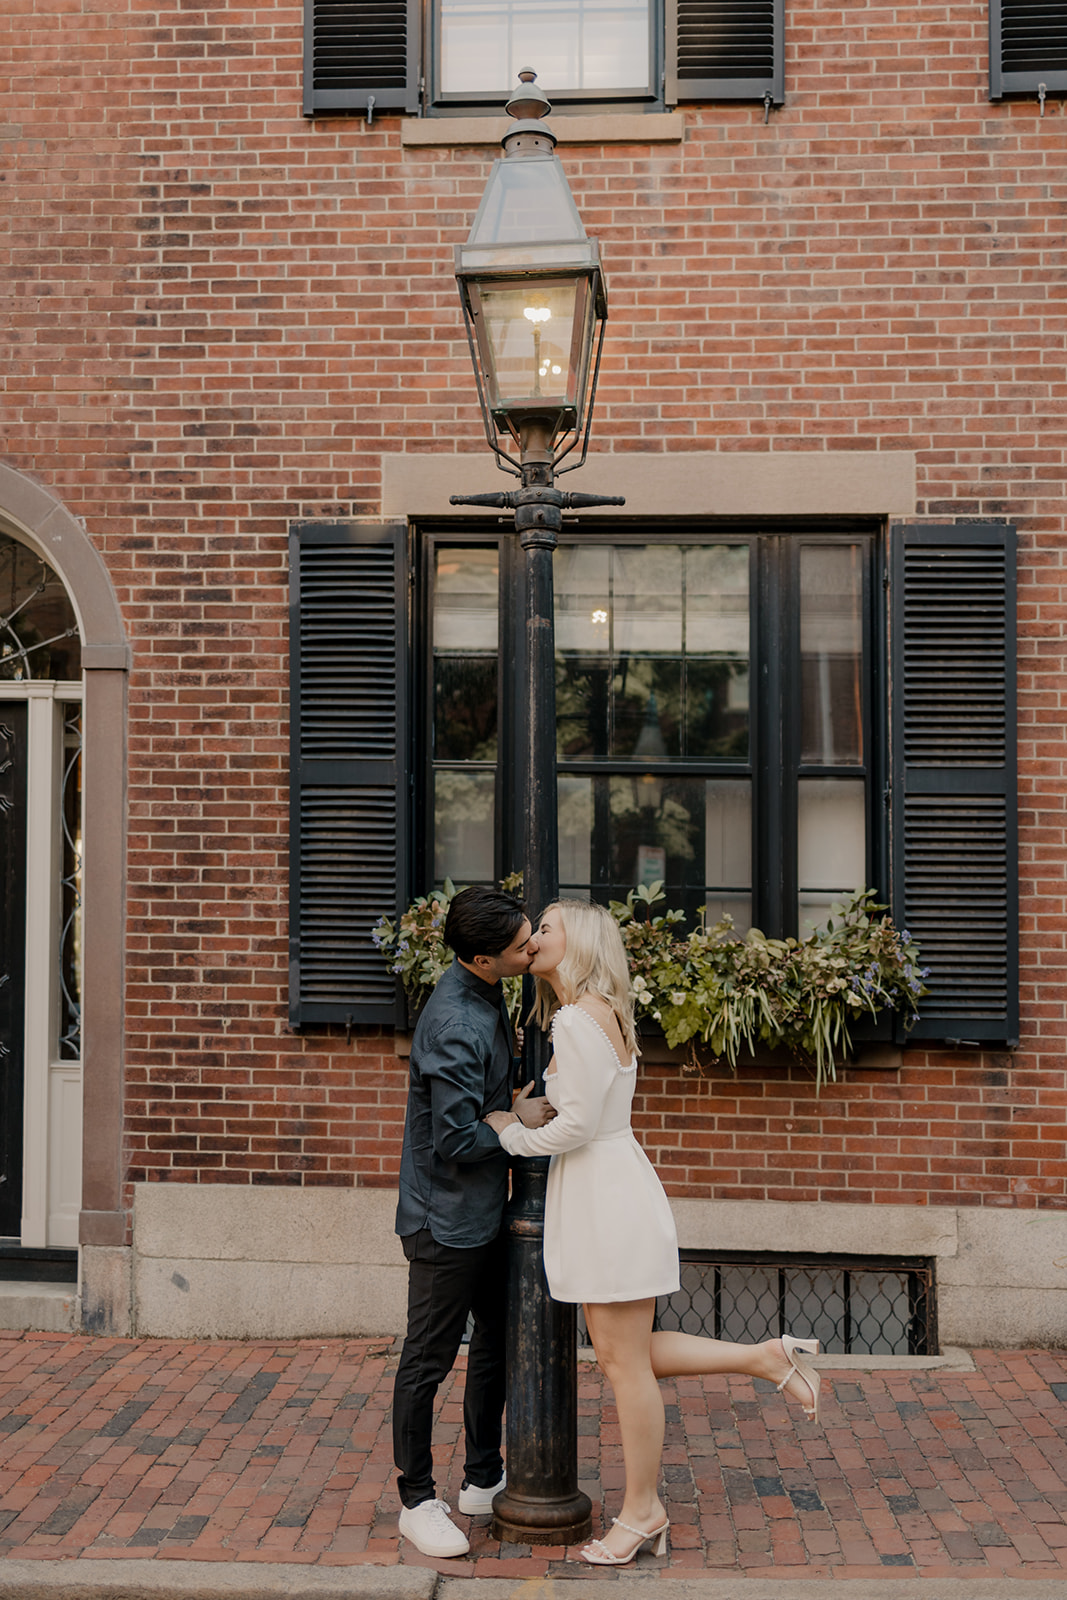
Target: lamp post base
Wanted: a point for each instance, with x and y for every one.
(519, 1520)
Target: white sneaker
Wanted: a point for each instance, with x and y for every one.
(431, 1529)
(475, 1502)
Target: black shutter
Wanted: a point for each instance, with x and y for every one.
(348, 778)
(953, 734)
(1027, 46)
(725, 50)
(361, 55)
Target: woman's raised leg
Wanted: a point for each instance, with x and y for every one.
(688, 1355)
(621, 1335)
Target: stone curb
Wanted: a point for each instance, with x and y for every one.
(81, 1579)
(88, 1579)
(640, 1587)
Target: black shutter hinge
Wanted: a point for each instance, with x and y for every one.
(885, 578)
(887, 795)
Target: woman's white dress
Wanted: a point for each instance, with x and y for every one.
(609, 1232)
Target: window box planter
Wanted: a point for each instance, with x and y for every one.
(717, 997)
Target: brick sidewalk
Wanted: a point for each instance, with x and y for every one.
(280, 1452)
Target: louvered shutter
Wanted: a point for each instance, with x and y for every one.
(1027, 46)
(725, 50)
(953, 797)
(361, 55)
(348, 778)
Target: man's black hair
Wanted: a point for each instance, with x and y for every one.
(482, 922)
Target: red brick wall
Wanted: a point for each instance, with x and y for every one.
(221, 314)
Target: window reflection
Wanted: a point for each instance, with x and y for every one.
(648, 709)
(463, 826)
(583, 701)
(647, 593)
(465, 694)
(575, 801)
(466, 600)
(652, 648)
(831, 654)
(465, 627)
(728, 851)
(831, 844)
(577, 44)
(692, 834)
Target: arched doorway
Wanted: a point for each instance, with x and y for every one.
(40, 903)
(72, 728)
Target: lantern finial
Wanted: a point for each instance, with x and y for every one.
(528, 103)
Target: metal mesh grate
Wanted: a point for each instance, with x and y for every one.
(854, 1305)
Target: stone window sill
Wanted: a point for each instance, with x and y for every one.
(620, 127)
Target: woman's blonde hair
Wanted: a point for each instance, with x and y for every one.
(594, 962)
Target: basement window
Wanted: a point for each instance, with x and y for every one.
(854, 1305)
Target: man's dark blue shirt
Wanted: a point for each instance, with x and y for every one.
(453, 1171)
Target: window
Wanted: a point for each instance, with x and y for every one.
(441, 55)
(1027, 47)
(581, 47)
(667, 770)
(765, 719)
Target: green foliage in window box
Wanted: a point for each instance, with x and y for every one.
(718, 993)
(711, 990)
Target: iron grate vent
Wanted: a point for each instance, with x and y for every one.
(854, 1305)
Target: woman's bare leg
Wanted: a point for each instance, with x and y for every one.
(621, 1335)
(688, 1355)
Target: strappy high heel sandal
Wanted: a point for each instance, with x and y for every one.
(810, 1347)
(598, 1554)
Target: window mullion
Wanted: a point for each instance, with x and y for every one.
(774, 853)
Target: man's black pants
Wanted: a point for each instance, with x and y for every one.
(446, 1284)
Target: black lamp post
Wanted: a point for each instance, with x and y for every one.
(534, 300)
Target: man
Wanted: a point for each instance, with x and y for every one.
(453, 1188)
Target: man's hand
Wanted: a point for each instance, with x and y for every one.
(530, 1112)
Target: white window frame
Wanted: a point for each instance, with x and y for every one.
(52, 1107)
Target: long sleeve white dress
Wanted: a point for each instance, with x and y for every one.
(609, 1232)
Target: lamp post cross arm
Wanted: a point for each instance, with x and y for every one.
(538, 507)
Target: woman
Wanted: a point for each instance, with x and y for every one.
(610, 1241)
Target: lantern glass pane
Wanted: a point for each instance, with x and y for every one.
(527, 203)
(530, 331)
